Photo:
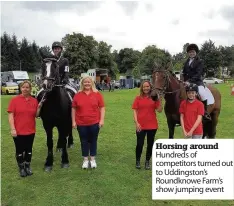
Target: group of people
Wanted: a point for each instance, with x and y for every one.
(191, 110)
(88, 113)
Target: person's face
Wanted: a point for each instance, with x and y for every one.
(87, 84)
(57, 50)
(146, 88)
(191, 95)
(26, 89)
(192, 53)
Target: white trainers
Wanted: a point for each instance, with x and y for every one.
(93, 164)
(85, 164)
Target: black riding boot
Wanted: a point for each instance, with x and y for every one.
(138, 164)
(20, 162)
(147, 165)
(21, 170)
(28, 169)
(206, 115)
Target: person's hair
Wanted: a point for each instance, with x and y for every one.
(26, 82)
(141, 87)
(93, 87)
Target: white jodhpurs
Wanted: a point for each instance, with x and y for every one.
(206, 94)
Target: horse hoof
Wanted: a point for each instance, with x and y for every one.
(70, 146)
(59, 150)
(65, 165)
(48, 168)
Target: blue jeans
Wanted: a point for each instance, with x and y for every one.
(88, 139)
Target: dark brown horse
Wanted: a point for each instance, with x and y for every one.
(165, 84)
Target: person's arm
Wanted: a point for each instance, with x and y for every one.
(199, 71)
(183, 74)
(159, 106)
(135, 116)
(73, 111)
(11, 121)
(198, 121)
(181, 111)
(182, 122)
(38, 110)
(11, 110)
(102, 111)
(73, 116)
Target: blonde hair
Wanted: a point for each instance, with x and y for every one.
(93, 87)
(26, 82)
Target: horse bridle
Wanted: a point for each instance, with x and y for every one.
(50, 78)
(162, 91)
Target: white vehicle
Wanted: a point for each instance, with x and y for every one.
(212, 80)
(15, 76)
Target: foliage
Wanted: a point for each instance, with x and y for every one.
(84, 52)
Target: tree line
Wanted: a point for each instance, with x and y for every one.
(84, 52)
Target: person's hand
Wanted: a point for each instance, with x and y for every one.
(138, 127)
(190, 133)
(73, 125)
(13, 133)
(185, 133)
(101, 123)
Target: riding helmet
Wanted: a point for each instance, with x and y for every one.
(57, 44)
(192, 87)
(192, 47)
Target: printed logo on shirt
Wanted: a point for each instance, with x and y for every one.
(66, 68)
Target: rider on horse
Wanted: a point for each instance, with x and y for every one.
(193, 73)
(63, 70)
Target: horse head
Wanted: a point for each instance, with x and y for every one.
(160, 80)
(50, 71)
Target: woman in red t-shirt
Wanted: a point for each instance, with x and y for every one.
(88, 114)
(146, 122)
(22, 111)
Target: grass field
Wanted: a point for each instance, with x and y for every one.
(115, 181)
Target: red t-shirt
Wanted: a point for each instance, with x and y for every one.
(191, 110)
(24, 112)
(146, 115)
(87, 107)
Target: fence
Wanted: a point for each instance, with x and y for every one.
(228, 80)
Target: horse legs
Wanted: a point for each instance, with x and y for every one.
(213, 125)
(63, 139)
(171, 127)
(59, 145)
(50, 156)
(70, 139)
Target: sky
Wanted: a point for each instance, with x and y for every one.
(168, 24)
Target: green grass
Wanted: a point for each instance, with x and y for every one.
(115, 181)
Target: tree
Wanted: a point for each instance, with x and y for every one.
(81, 51)
(5, 52)
(14, 50)
(105, 58)
(211, 56)
(127, 59)
(151, 55)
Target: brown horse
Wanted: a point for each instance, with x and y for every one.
(165, 84)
